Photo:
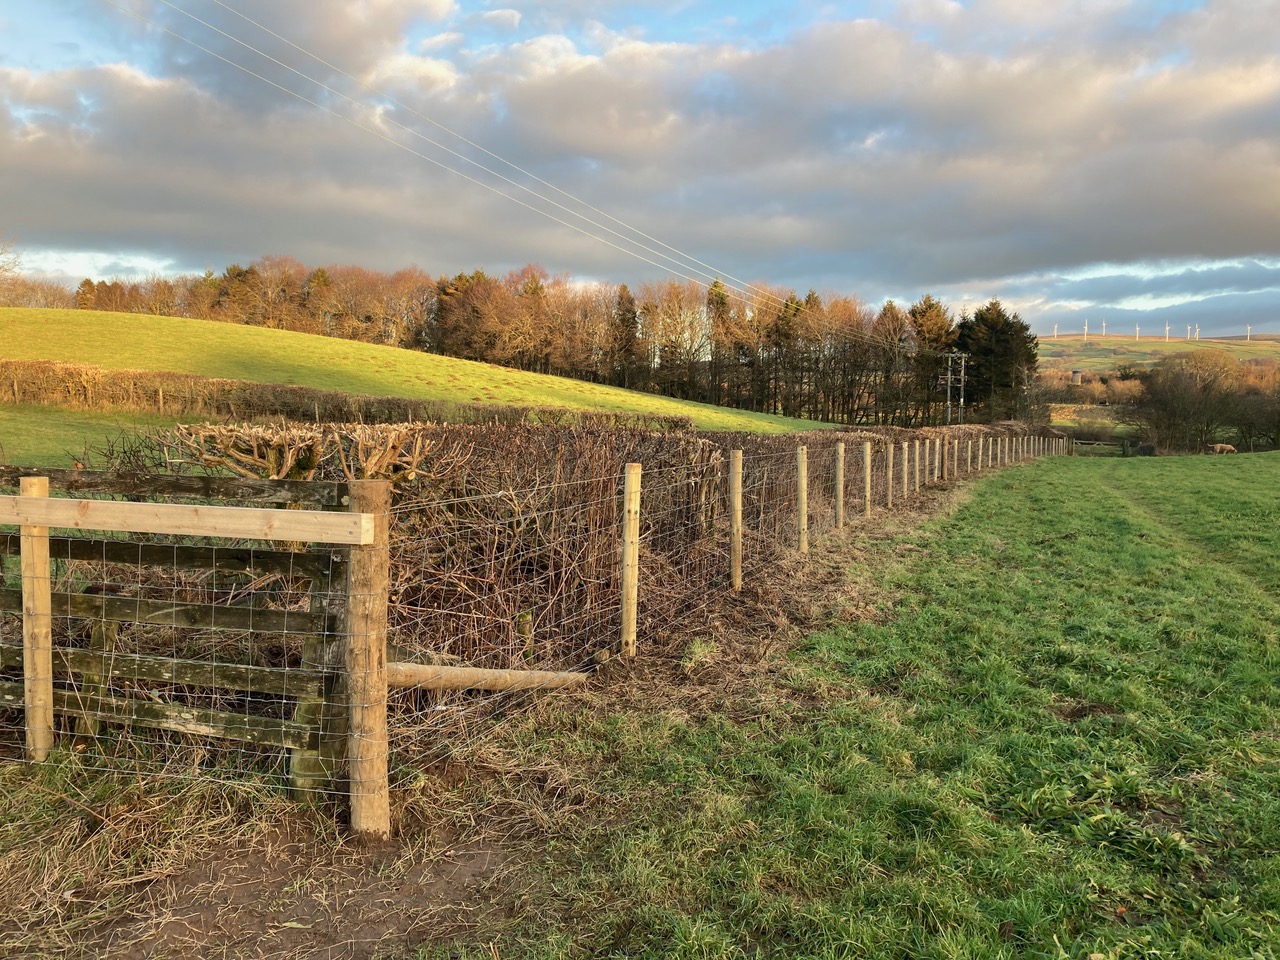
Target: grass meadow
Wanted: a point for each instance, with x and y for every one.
(38, 436)
(123, 341)
(1054, 733)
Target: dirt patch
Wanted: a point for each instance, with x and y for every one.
(295, 895)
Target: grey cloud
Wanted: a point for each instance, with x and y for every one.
(977, 151)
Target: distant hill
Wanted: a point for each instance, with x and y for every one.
(127, 341)
(1099, 353)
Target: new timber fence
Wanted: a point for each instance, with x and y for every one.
(340, 634)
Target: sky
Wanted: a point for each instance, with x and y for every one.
(1102, 160)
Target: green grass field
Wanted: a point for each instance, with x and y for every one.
(35, 436)
(1108, 353)
(1057, 735)
(135, 342)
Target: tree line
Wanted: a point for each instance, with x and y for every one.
(765, 349)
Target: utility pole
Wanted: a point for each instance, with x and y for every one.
(950, 356)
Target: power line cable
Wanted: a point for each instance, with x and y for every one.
(738, 285)
(435, 143)
(754, 291)
(471, 143)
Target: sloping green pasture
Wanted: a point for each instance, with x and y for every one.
(1056, 736)
(124, 341)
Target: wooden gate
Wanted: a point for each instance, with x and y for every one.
(337, 695)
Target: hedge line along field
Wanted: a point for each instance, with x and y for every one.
(136, 342)
(1055, 735)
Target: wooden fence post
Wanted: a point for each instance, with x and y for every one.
(866, 478)
(802, 498)
(906, 459)
(946, 452)
(735, 520)
(368, 584)
(839, 484)
(917, 466)
(37, 629)
(630, 558)
(888, 470)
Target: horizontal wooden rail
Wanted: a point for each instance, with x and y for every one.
(434, 677)
(280, 681)
(316, 566)
(186, 520)
(180, 718)
(319, 493)
(177, 614)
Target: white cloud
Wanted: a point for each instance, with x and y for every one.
(504, 19)
(439, 41)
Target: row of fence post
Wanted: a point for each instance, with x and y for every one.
(939, 458)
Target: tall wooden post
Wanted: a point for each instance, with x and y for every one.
(906, 459)
(937, 460)
(839, 484)
(735, 520)
(630, 558)
(866, 478)
(968, 456)
(802, 498)
(368, 585)
(37, 629)
(917, 465)
(888, 472)
(946, 452)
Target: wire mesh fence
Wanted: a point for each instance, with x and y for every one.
(206, 656)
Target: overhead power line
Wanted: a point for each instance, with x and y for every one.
(683, 267)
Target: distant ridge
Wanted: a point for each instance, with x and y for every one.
(1098, 353)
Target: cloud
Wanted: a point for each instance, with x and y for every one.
(505, 19)
(992, 148)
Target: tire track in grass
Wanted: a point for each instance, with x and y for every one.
(1243, 546)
